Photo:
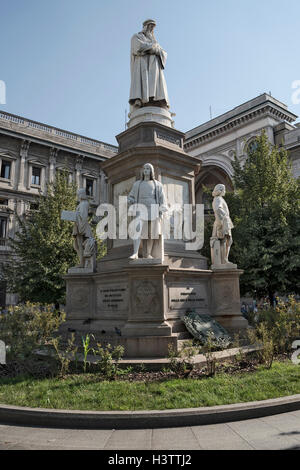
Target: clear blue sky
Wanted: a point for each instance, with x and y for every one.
(66, 62)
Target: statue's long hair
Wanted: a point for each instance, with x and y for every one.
(152, 175)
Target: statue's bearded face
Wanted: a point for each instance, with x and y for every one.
(149, 30)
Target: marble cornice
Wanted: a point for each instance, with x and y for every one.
(235, 122)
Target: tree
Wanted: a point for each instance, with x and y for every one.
(265, 209)
(42, 250)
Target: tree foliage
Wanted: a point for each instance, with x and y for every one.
(265, 209)
(42, 250)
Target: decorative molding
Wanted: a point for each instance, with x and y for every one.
(49, 133)
(239, 121)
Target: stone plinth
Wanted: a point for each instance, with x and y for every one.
(150, 114)
(146, 313)
(226, 306)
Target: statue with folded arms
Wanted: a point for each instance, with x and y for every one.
(148, 60)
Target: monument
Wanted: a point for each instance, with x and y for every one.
(143, 287)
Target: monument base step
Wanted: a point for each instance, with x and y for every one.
(183, 335)
(148, 346)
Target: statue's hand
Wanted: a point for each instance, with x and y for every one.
(156, 49)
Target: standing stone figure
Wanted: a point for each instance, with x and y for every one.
(148, 59)
(149, 193)
(221, 239)
(84, 242)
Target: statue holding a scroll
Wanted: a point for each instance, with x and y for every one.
(84, 242)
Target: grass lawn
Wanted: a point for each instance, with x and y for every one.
(86, 392)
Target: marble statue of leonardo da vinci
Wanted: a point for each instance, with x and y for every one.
(148, 59)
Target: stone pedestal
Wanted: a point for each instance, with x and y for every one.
(146, 315)
(140, 303)
(226, 306)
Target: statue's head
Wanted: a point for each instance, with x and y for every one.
(219, 190)
(81, 194)
(149, 25)
(148, 170)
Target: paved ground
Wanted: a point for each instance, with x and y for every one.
(274, 432)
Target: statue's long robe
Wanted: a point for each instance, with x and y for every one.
(147, 77)
(223, 223)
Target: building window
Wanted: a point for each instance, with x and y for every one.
(3, 225)
(33, 206)
(36, 176)
(89, 185)
(252, 146)
(5, 169)
(3, 202)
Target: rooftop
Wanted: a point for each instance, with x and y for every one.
(37, 130)
(242, 110)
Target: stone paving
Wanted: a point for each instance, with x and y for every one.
(276, 432)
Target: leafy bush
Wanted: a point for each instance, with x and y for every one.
(275, 330)
(110, 356)
(284, 323)
(263, 336)
(27, 327)
(65, 356)
(207, 349)
(182, 362)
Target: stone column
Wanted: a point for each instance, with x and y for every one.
(78, 169)
(23, 155)
(103, 187)
(52, 162)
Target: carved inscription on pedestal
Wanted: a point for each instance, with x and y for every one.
(112, 297)
(192, 297)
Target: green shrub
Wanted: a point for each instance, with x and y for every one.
(110, 356)
(207, 349)
(283, 323)
(86, 350)
(27, 327)
(182, 362)
(65, 356)
(263, 336)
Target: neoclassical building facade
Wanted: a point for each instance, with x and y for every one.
(217, 141)
(31, 153)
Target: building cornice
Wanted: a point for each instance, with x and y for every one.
(41, 133)
(264, 106)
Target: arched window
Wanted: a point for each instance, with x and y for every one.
(252, 146)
